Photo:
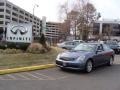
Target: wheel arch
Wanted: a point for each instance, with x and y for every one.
(91, 59)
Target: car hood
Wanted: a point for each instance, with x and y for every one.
(74, 54)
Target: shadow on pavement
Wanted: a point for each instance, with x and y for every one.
(98, 70)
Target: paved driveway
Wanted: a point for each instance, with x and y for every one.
(102, 78)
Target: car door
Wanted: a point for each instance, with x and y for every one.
(99, 56)
(107, 53)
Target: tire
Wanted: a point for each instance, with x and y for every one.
(88, 66)
(116, 52)
(63, 69)
(110, 63)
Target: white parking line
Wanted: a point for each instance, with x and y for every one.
(51, 78)
(23, 76)
(61, 77)
(12, 77)
(1, 78)
(34, 76)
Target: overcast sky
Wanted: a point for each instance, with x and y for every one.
(109, 9)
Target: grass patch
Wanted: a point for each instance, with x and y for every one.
(8, 61)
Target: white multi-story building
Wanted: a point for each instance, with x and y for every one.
(9, 12)
(107, 28)
(12, 13)
(53, 31)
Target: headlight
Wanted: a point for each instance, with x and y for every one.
(81, 58)
(58, 57)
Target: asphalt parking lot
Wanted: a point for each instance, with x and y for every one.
(102, 78)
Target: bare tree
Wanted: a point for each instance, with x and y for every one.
(69, 17)
(83, 19)
(63, 11)
(87, 16)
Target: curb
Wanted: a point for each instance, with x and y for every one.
(24, 69)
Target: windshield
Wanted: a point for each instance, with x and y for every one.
(85, 47)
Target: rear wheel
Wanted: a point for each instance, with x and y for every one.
(62, 68)
(89, 66)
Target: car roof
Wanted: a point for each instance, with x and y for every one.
(77, 40)
(90, 43)
(94, 43)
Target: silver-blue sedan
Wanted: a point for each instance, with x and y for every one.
(86, 56)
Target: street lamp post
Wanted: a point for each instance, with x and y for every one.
(34, 9)
(75, 24)
(33, 14)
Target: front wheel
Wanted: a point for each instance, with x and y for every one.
(89, 66)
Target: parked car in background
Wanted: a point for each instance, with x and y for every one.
(80, 41)
(86, 56)
(68, 45)
(113, 45)
(119, 45)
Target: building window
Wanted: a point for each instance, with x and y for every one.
(38, 20)
(7, 17)
(1, 28)
(14, 14)
(14, 19)
(33, 34)
(31, 16)
(13, 38)
(22, 17)
(21, 21)
(37, 23)
(34, 22)
(14, 8)
(34, 18)
(10, 38)
(8, 5)
(6, 23)
(1, 16)
(34, 26)
(1, 4)
(20, 38)
(1, 22)
(8, 11)
(26, 14)
(37, 30)
(1, 10)
(22, 12)
(26, 19)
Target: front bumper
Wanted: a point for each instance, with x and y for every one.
(70, 65)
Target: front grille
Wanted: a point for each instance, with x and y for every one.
(68, 64)
(59, 63)
(67, 59)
